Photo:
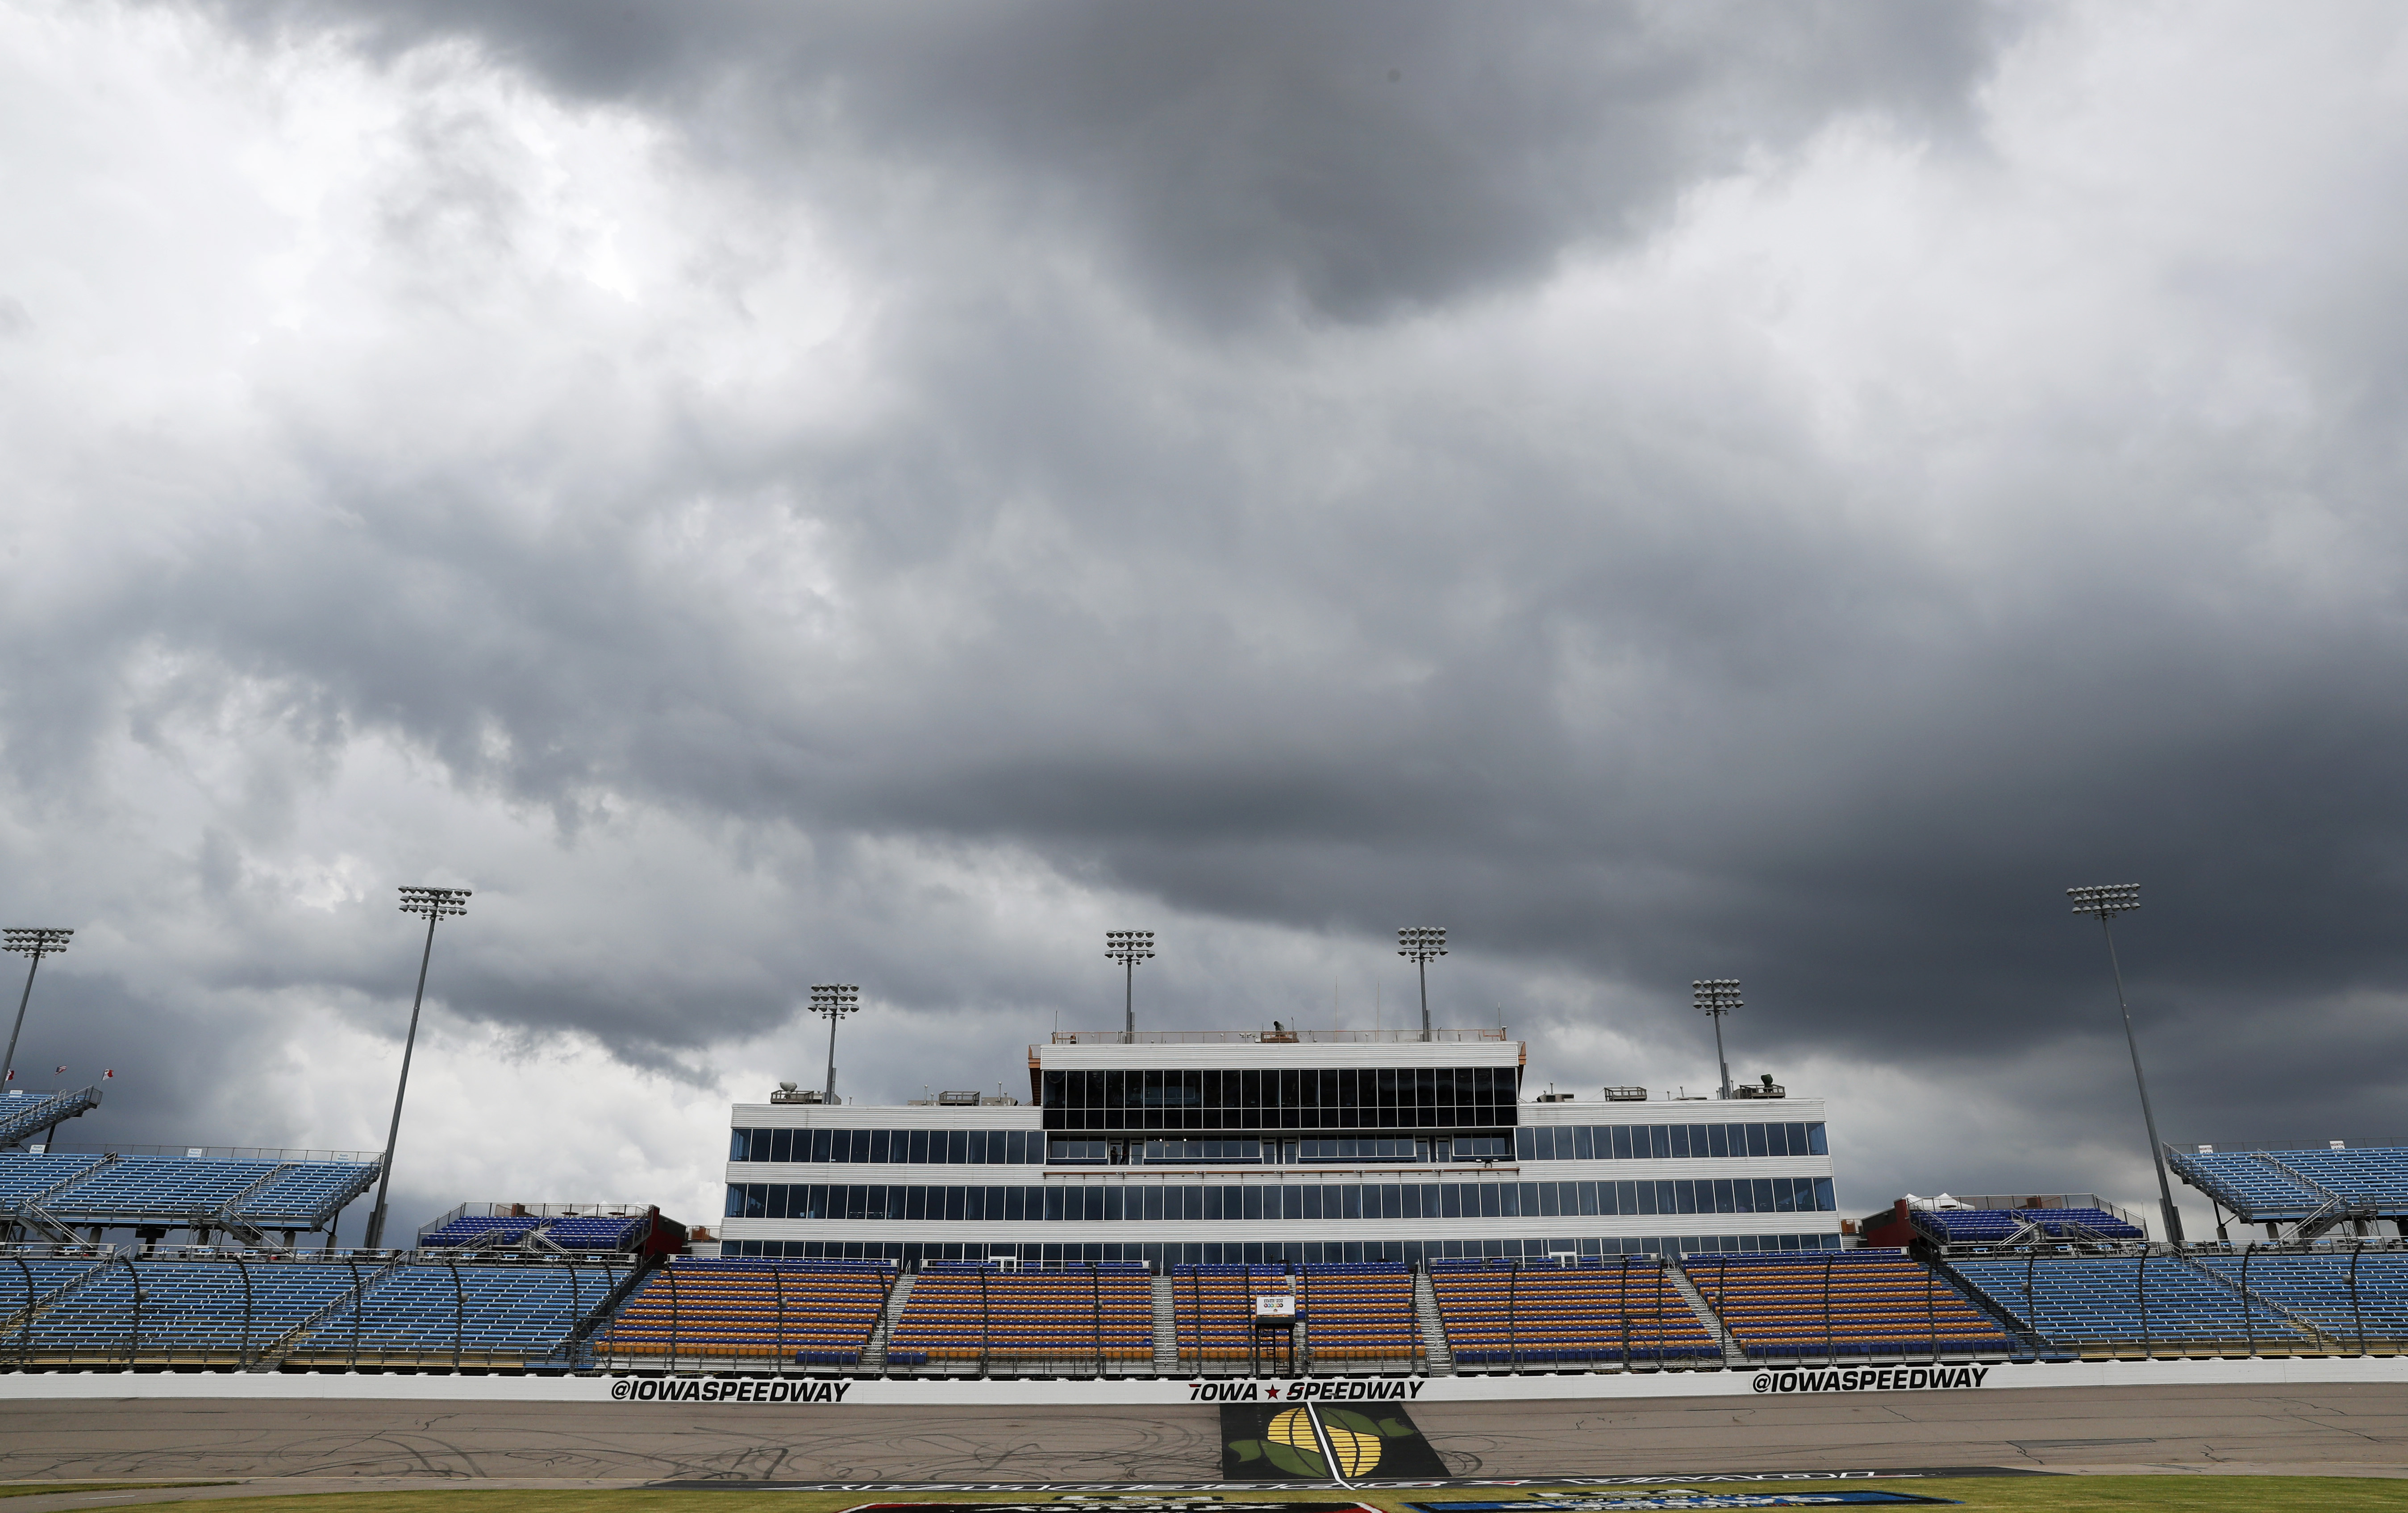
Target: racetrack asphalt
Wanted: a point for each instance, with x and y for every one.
(317, 1445)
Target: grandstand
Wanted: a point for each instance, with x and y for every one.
(1852, 1302)
(102, 1305)
(2140, 1303)
(2351, 1295)
(2312, 1192)
(541, 1227)
(1093, 1318)
(1360, 1315)
(249, 1197)
(1550, 1314)
(2010, 1223)
(25, 1115)
(1212, 1316)
(745, 1314)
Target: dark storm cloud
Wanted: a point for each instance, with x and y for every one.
(1360, 158)
(1594, 637)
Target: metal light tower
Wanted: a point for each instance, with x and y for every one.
(1420, 945)
(1128, 948)
(435, 904)
(835, 1000)
(33, 942)
(1716, 997)
(2108, 900)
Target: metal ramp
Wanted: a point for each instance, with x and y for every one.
(20, 1116)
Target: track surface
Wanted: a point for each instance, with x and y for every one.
(2324, 1429)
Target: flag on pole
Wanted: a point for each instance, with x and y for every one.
(59, 1071)
(106, 1076)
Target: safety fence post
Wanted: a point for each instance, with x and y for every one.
(1096, 1291)
(2356, 1312)
(459, 1311)
(359, 1307)
(2146, 1353)
(1830, 1351)
(134, 1313)
(985, 1326)
(242, 1356)
(1930, 1313)
(1513, 1325)
(25, 1335)
(1625, 1311)
(669, 1269)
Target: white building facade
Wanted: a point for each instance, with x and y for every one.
(1226, 1147)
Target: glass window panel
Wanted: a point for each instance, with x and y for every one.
(1755, 1141)
(1814, 1145)
(1717, 1141)
(1349, 1198)
(1679, 1133)
(1392, 1200)
(1585, 1143)
(1412, 1196)
(1823, 1191)
(1660, 1141)
(1620, 1144)
(976, 1154)
(819, 1147)
(1549, 1205)
(735, 1200)
(1491, 1206)
(1015, 1203)
(1291, 1202)
(1684, 1197)
(1592, 1195)
(1764, 1196)
(879, 1141)
(784, 1145)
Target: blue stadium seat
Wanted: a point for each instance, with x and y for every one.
(2107, 1304)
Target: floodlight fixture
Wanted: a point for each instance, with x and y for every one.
(834, 1000)
(1715, 997)
(2106, 901)
(435, 905)
(1128, 948)
(33, 942)
(1420, 945)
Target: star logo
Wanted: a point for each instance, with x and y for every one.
(1271, 1392)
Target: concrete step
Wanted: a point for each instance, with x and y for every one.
(1441, 1359)
(1732, 1355)
(1166, 1328)
(873, 1359)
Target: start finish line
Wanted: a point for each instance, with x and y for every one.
(825, 1394)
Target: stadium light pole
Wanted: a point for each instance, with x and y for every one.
(835, 1000)
(435, 904)
(2106, 901)
(1420, 945)
(1128, 948)
(33, 942)
(1716, 997)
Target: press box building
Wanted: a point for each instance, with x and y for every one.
(1220, 1147)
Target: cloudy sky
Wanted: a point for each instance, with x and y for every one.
(769, 494)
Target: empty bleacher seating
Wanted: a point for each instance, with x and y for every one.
(2373, 1177)
(1604, 1309)
(597, 1232)
(25, 1115)
(1841, 1303)
(191, 1311)
(1359, 1313)
(492, 1314)
(1993, 1226)
(2109, 1305)
(2249, 1183)
(2366, 1311)
(1212, 1312)
(473, 1229)
(1089, 1315)
(816, 1313)
(111, 1191)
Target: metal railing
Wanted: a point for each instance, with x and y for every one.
(1271, 1038)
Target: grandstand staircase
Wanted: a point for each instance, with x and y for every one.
(2323, 1337)
(30, 1208)
(223, 1216)
(873, 1355)
(272, 1357)
(2015, 1328)
(1166, 1329)
(604, 1311)
(1732, 1355)
(24, 1317)
(1438, 1358)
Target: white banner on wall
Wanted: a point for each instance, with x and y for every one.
(834, 1394)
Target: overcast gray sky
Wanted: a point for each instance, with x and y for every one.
(776, 492)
